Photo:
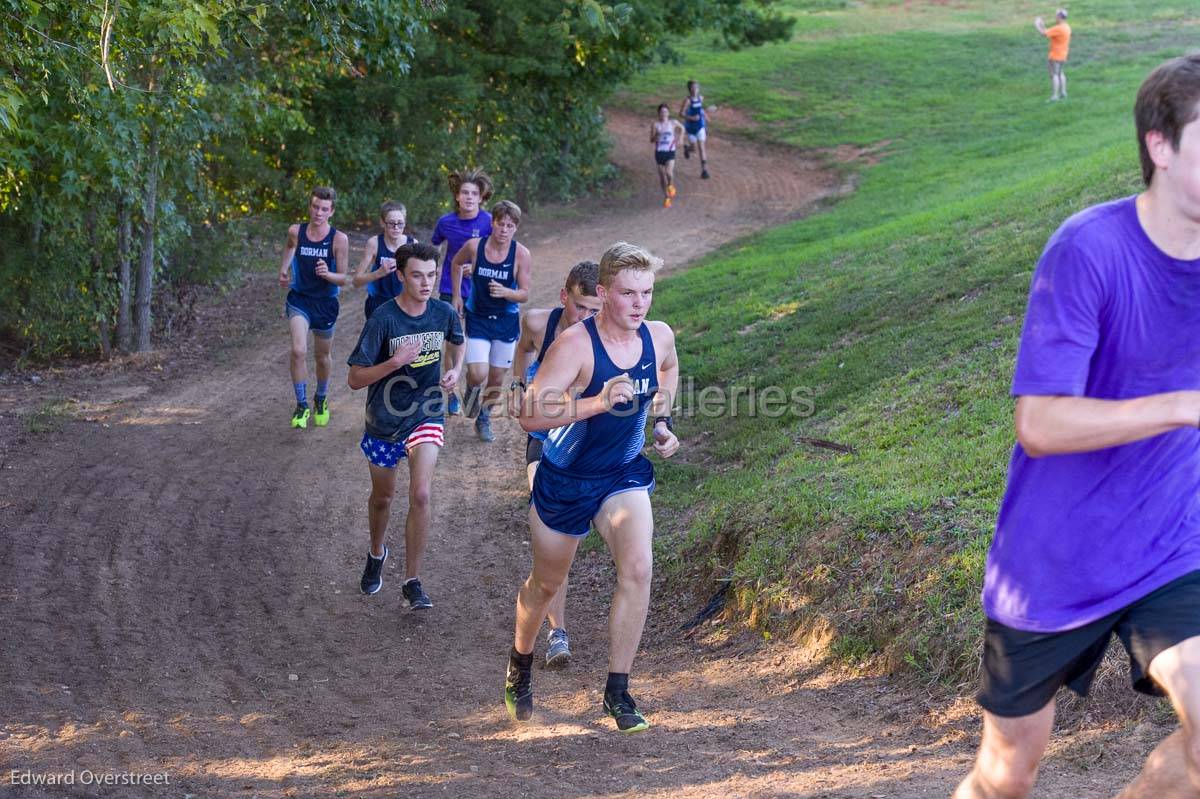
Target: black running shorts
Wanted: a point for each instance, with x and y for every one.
(1022, 670)
(533, 450)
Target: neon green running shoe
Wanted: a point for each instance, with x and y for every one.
(622, 708)
(300, 416)
(321, 411)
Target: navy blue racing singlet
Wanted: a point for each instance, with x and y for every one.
(390, 286)
(612, 439)
(551, 331)
(304, 264)
(547, 339)
(695, 109)
(481, 301)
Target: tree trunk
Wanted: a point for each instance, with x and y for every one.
(145, 278)
(98, 283)
(124, 274)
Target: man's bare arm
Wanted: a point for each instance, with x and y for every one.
(363, 275)
(1057, 425)
(549, 400)
(289, 252)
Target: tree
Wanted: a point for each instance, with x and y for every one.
(144, 123)
(106, 128)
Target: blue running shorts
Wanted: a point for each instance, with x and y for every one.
(321, 312)
(566, 502)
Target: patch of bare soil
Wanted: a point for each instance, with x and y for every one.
(179, 587)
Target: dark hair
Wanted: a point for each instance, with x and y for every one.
(476, 176)
(419, 250)
(324, 193)
(661, 106)
(1168, 100)
(506, 208)
(585, 275)
(692, 83)
(391, 205)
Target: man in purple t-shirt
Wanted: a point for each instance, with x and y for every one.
(470, 188)
(1099, 530)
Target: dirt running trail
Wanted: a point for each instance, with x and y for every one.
(179, 594)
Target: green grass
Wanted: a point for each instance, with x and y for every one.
(896, 313)
(48, 417)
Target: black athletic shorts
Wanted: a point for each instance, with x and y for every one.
(1022, 670)
(664, 156)
(533, 450)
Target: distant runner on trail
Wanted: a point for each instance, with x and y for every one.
(310, 271)
(665, 135)
(1060, 42)
(1099, 529)
(539, 328)
(695, 122)
(377, 271)
(500, 271)
(470, 189)
(597, 386)
(398, 360)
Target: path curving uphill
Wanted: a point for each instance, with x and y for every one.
(179, 592)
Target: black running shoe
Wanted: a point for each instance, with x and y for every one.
(518, 692)
(622, 708)
(372, 579)
(704, 174)
(417, 598)
(472, 401)
(483, 426)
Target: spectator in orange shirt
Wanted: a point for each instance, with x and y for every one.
(1060, 41)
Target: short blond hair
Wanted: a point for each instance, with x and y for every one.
(622, 256)
(506, 208)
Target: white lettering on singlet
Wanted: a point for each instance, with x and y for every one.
(641, 386)
(317, 252)
(499, 274)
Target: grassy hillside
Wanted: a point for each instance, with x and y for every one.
(892, 318)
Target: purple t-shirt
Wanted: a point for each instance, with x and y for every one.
(458, 232)
(1080, 536)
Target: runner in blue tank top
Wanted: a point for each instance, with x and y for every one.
(539, 328)
(695, 122)
(594, 391)
(470, 188)
(500, 271)
(377, 270)
(313, 268)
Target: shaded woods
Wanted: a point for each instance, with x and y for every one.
(138, 138)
